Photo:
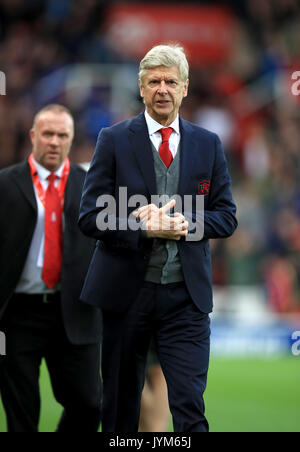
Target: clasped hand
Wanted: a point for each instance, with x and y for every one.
(158, 224)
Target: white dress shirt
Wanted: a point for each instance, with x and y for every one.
(31, 279)
(155, 135)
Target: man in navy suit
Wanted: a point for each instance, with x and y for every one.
(151, 271)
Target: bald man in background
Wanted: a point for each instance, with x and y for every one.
(43, 262)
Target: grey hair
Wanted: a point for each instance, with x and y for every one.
(168, 56)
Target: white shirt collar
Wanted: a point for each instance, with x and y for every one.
(44, 173)
(154, 126)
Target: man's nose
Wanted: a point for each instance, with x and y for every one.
(162, 88)
(54, 141)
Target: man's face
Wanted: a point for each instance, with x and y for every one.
(163, 91)
(51, 139)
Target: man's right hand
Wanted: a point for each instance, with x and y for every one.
(158, 224)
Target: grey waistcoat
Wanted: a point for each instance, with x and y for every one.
(164, 264)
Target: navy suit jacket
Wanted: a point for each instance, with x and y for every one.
(124, 158)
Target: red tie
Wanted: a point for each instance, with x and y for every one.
(164, 150)
(53, 236)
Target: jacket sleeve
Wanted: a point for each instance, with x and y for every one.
(98, 217)
(218, 218)
(220, 215)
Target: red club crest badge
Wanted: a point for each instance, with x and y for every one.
(204, 187)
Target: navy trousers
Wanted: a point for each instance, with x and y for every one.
(182, 337)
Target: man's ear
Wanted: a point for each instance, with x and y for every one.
(186, 88)
(32, 134)
(141, 88)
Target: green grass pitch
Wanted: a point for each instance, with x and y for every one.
(243, 395)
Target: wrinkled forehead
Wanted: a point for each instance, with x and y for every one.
(162, 73)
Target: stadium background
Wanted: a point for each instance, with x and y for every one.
(84, 54)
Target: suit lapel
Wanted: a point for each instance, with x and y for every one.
(72, 190)
(187, 157)
(141, 147)
(22, 178)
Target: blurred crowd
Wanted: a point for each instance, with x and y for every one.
(248, 103)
